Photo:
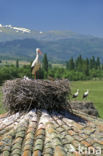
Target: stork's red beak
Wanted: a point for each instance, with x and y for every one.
(39, 52)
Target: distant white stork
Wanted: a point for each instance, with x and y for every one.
(76, 94)
(86, 94)
(36, 64)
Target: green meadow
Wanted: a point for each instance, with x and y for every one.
(95, 93)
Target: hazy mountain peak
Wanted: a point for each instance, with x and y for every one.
(59, 45)
(9, 33)
(17, 29)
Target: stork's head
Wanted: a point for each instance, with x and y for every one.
(38, 51)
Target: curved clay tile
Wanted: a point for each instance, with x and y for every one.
(50, 134)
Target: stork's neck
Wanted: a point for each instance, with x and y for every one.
(37, 55)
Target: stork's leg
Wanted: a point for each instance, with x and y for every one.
(35, 75)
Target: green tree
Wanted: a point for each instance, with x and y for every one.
(79, 63)
(92, 63)
(86, 67)
(70, 64)
(98, 63)
(45, 63)
(17, 63)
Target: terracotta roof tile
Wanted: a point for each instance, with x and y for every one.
(50, 134)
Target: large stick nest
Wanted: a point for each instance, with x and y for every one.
(23, 95)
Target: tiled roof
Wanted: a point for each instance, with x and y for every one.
(40, 133)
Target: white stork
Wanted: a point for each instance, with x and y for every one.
(36, 64)
(76, 94)
(86, 94)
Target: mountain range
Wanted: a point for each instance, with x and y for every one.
(17, 42)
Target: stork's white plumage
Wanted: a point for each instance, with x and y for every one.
(36, 64)
(86, 94)
(26, 78)
(76, 94)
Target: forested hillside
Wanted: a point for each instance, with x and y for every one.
(17, 42)
(58, 50)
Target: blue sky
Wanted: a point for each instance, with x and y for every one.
(83, 16)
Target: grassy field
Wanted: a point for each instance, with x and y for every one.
(95, 92)
(59, 65)
(13, 62)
